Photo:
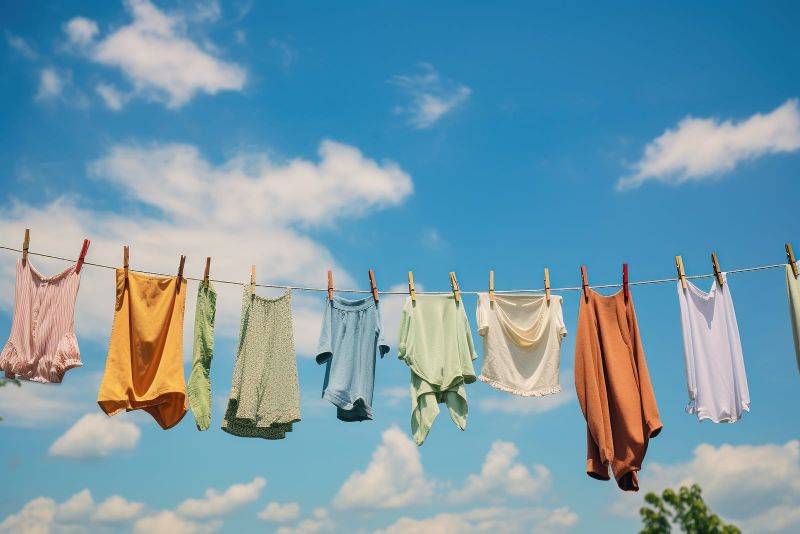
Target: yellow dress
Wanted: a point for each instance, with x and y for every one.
(144, 367)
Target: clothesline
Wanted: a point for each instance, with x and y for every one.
(337, 290)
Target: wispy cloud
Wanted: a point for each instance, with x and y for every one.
(432, 97)
(704, 149)
(158, 57)
(21, 46)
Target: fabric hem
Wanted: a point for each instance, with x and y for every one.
(522, 393)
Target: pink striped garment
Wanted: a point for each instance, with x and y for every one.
(42, 345)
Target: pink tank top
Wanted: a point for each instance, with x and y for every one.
(42, 345)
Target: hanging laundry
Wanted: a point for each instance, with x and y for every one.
(350, 339)
(521, 343)
(199, 384)
(42, 345)
(613, 387)
(712, 350)
(144, 367)
(793, 288)
(436, 343)
(264, 400)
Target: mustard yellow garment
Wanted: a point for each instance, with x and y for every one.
(144, 368)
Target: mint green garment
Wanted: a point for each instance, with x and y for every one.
(793, 287)
(199, 386)
(435, 341)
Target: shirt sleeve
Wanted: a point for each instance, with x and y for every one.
(403, 331)
(648, 396)
(325, 344)
(562, 327)
(481, 317)
(383, 346)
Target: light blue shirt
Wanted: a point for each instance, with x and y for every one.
(349, 341)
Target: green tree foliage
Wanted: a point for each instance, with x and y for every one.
(4, 381)
(685, 509)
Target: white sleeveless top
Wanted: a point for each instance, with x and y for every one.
(521, 343)
(712, 349)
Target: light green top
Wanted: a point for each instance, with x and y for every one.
(793, 287)
(199, 385)
(436, 343)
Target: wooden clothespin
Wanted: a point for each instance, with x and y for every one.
(125, 260)
(411, 290)
(180, 272)
(205, 274)
(625, 291)
(717, 272)
(547, 284)
(454, 285)
(372, 285)
(790, 259)
(584, 283)
(681, 272)
(25, 242)
(491, 286)
(82, 256)
(330, 286)
(253, 279)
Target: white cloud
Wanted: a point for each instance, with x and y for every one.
(50, 84)
(395, 395)
(76, 514)
(278, 513)
(96, 436)
(488, 520)
(431, 96)
(251, 209)
(155, 53)
(116, 509)
(215, 504)
(81, 31)
(21, 46)
(113, 98)
(757, 487)
(76, 507)
(168, 522)
(703, 149)
(37, 405)
(394, 477)
(320, 521)
(36, 517)
(496, 401)
(501, 476)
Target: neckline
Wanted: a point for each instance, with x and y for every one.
(42, 278)
(286, 293)
(711, 292)
(344, 304)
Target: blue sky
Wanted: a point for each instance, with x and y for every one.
(302, 137)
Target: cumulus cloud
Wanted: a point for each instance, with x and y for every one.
(394, 477)
(77, 514)
(757, 487)
(116, 509)
(216, 504)
(96, 436)
(488, 520)
(81, 31)
(45, 405)
(157, 56)
(277, 513)
(168, 522)
(502, 476)
(706, 148)
(113, 98)
(320, 521)
(431, 97)
(251, 209)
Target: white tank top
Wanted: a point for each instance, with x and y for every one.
(715, 372)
